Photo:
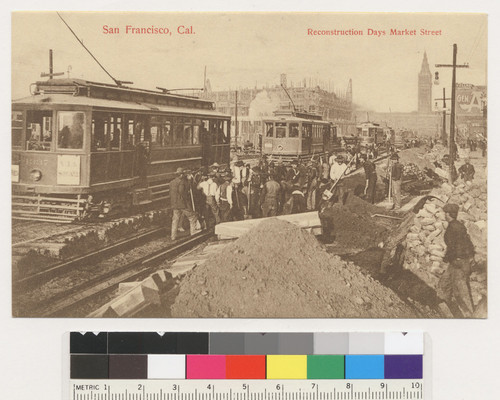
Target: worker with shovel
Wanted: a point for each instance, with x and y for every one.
(337, 172)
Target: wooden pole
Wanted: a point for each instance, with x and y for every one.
(444, 117)
(51, 64)
(236, 122)
(452, 117)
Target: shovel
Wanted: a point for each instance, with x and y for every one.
(328, 193)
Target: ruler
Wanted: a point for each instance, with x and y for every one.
(270, 389)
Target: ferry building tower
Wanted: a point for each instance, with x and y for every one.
(425, 88)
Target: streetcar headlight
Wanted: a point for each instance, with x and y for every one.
(35, 175)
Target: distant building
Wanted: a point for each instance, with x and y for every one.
(255, 103)
(424, 122)
(425, 87)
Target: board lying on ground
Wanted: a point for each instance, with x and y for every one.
(232, 230)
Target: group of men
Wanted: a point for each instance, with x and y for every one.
(219, 194)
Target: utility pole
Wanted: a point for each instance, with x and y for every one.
(236, 121)
(443, 135)
(453, 101)
(51, 73)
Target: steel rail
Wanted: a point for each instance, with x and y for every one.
(57, 269)
(62, 303)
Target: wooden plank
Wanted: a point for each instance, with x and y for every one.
(182, 268)
(237, 228)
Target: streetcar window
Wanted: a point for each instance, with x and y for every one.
(212, 131)
(269, 129)
(225, 131)
(115, 131)
(99, 131)
(306, 130)
(156, 132)
(71, 127)
(128, 133)
(39, 130)
(17, 128)
(196, 134)
(280, 129)
(188, 134)
(167, 133)
(293, 130)
(178, 132)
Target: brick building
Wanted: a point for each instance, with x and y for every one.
(254, 103)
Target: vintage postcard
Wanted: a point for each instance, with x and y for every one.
(241, 165)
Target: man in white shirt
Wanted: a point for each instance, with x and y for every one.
(337, 171)
(239, 173)
(209, 188)
(224, 197)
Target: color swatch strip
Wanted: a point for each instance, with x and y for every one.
(198, 355)
(204, 366)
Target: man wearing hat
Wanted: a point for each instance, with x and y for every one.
(237, 170)
(270, 197)
(225, 197)
(181, 203)
(209, 188)
(396, 179)
(337, 171)
(454, 283)
(370, 177)
(467, 171)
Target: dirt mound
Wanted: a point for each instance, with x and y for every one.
(279, 270)
(359, 206)
(416, 156)
(353, 224)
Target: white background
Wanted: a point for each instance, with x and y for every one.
(465, 354)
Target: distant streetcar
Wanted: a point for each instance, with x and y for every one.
(81, 147)
(370, 133)
(297, 135)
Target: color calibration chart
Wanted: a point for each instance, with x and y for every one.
(246, 366)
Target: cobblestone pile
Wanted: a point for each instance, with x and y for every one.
(425, 239)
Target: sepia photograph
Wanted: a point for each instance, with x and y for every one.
(249, 165)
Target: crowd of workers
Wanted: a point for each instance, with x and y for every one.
(220, 194)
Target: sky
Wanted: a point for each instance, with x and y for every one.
(243, 50)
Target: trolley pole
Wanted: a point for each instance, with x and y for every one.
(452, 116)
(51, 73)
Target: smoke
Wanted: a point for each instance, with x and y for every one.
(262, 105)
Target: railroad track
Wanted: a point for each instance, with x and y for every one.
(64, 303)
(43, 276)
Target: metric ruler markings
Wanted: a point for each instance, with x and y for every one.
(338, 390)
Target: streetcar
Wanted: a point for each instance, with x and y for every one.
(370, 133)
(81, 148)
(297, 135)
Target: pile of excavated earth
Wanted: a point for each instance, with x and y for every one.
(354, 225)
(279, 270)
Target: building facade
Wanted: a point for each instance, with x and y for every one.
(248, 106)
